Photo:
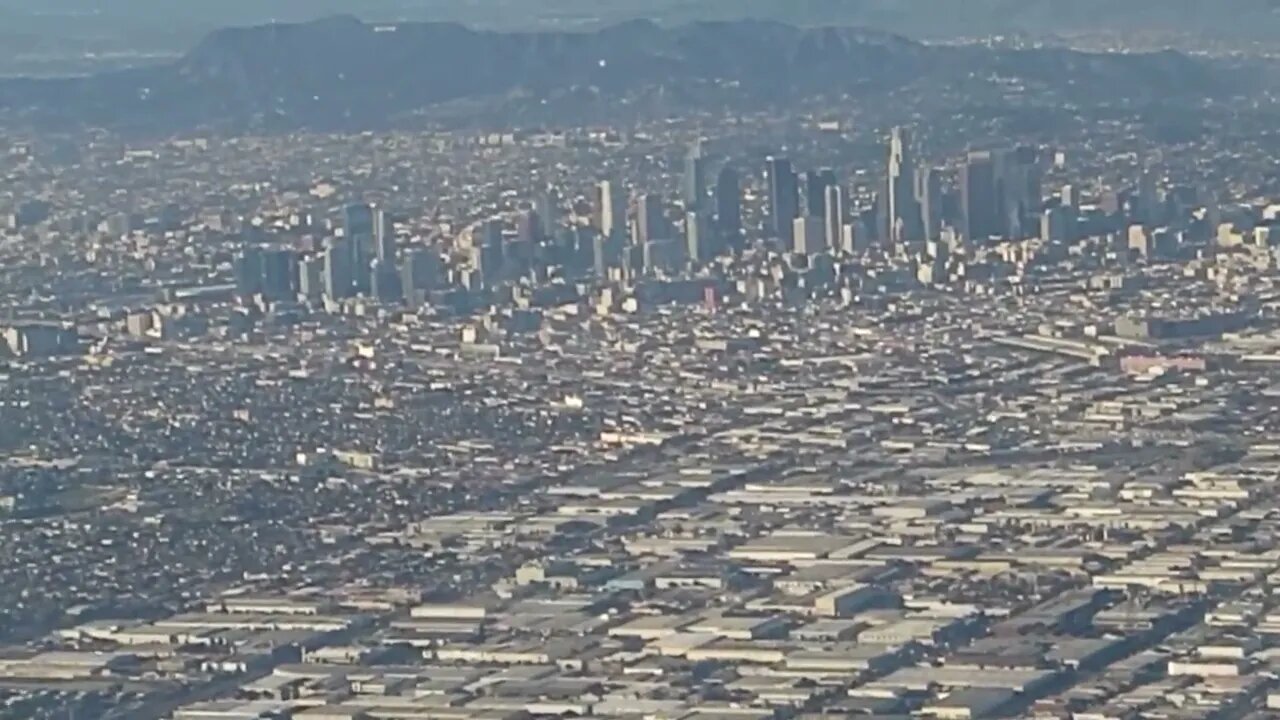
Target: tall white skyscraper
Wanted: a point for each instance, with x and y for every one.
(808, 236)
(833, 222)
(903, 210)
(695, 177)
(611, 209)
(650, 219)
(384, 237)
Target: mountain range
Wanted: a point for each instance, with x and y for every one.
(65, 37)
(340, 72)
(1223, 18)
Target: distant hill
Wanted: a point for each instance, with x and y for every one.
(50, 37)
(1258, 19)
(1228, 18)
(340, 72)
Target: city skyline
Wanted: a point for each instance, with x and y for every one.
(645, 371)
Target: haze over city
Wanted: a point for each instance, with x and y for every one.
(667, 360)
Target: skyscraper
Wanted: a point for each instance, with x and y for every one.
(339, 280)
(695, 181)
(384, 237)
(247, 269)
(528, 227)
(868, 225)
(492, 251)
(311, 278)
(701, 242)
(357, 220)
(650, 219)
(279, 274)
(358, 229)
(1147, 200)
(385, 281)
(979, 197)
(833, 216)
(878, 217)
(384, 274)
(422, 272)
(903, 210)
(1069, 197)
(728, 197)
(784, 201)
(808, 236)
(1057, 224)
(1018, 186)
(816, 184)
(611, 210)
(600, 253)
(546, 204)
(929, 200)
